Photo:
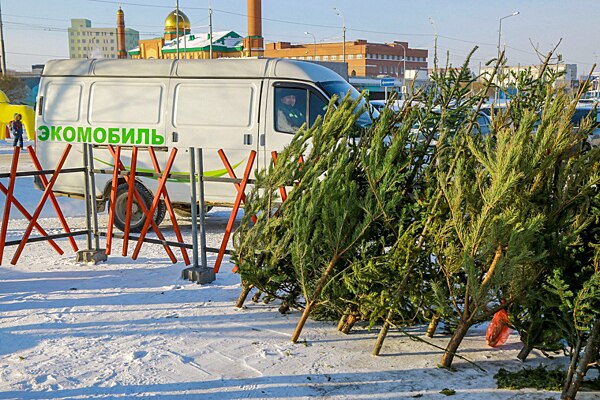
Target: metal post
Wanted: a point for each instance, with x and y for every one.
(314, 44)
(343, 32)
(202, 206)
(210, 33)
(177, 27)
(94, 205)
(197, 273)
(193, 202)
(86, 191)
(3, 53)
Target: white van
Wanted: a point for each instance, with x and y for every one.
(229, 104)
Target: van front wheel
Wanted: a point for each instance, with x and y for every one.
(137, 215)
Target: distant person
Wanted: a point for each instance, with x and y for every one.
(289, 117)
(16, 130)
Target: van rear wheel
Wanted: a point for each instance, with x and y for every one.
(137, 215)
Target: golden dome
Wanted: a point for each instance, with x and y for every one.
(171, 22)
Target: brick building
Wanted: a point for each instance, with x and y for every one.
(363, 58)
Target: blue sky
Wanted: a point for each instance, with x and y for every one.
(35, 30)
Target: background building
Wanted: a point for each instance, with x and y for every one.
(88, 42)
(508, 73)
(189, 45)
(363, 58)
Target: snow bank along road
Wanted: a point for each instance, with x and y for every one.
(126, 329)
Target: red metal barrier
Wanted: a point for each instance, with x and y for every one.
(130, 190)
(113, 198)
(162, 181)
(149, 217)
(234, 211)
(9, 199)
(40, 206)
(232, 175)
(59, 214)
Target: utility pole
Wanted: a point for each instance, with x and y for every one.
(343, 32)
(210, 35)
(177, 25)
(2, 44)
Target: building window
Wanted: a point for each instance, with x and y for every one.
(334, 57)
(317, 58)
(359, 56)
(380, 69)
(325, 58)
(385, 70)
(350, 56)
(308, 58)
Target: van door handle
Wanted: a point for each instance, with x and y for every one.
(174, 137)
(247, 138)
(262, 140)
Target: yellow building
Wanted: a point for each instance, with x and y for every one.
(191, 46)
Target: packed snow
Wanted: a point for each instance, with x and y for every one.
(125, 329)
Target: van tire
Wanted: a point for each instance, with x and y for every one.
(137, 218)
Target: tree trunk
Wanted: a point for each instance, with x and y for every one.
(310, 304)
(435, 320)
(245, 291)
(342, 322)
(256, 296)
(382, 333)
(524, 353)
(350, 321)
(590, 352)
(572, 365)
(454, 344)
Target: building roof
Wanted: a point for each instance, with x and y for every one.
(224, 41)
(172, 19)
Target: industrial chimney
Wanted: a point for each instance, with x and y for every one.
(253, 44)
(121, 48)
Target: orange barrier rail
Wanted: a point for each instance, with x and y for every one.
(32, 218)
(236, 206)
(129, 177)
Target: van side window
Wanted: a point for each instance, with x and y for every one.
(317, 106)
(290, 109)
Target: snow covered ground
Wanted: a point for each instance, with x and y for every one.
(134, 329)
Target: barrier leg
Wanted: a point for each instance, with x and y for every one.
(130, 190)
(113, 199)
(138, 198)
(9, 199)
(37, 226)
(169, 206)
(40, 206)
(232, 175)
(282, 190)
(162, 181)
(236, 207)
(59, 214)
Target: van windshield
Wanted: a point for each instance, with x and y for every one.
(340, 89)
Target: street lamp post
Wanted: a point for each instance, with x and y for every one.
(500, 28)
(403, 64)
(499, 37)
(343, 32)
(314, 44)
